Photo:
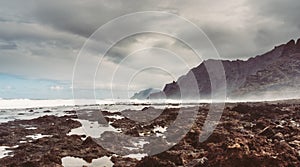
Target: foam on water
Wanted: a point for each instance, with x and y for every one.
(25, 114)
(28, 103)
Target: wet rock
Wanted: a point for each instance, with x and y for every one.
(242, 108)
(4, 133)
(51, 158)
(47, 111)
(2, 141)
(70, 112)
(89, 142)
(123, 162)
(29, 164)
(154, 162)
(199, 162)
(46, 151)
(268, 132)
(279, 136)
(295, 143)
(172, 156)
(260, 124)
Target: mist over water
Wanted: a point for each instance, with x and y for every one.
(29, 103)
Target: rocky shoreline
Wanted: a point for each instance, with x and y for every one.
(248, 134)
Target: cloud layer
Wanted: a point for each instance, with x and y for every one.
(41, 39)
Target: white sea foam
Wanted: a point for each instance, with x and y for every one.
(28, 103)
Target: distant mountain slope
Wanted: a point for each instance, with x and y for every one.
(276, 70)
(144, 94)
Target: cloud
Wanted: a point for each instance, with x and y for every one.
(41, 39)
(82, 18)
(4, 45)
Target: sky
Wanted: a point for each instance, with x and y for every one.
(40, 42)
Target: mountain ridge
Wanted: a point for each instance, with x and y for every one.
(244, 77)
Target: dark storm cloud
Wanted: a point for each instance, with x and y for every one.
(83, 17)
(282, 21)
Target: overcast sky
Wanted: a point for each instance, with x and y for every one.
(40, 40)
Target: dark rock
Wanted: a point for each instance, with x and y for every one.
(242, 108)
(279, 136)
(47, 111)
(89, 141)
(4, 133)
(29, 164)
(268, 132)
(123, 162)
(2, 141)
(154, 162)
(70, 112)
(172, 157)
(52, 158)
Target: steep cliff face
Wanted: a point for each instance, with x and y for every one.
(278, 69)
(282, 75)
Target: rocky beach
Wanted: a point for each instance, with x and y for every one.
(248, 134)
